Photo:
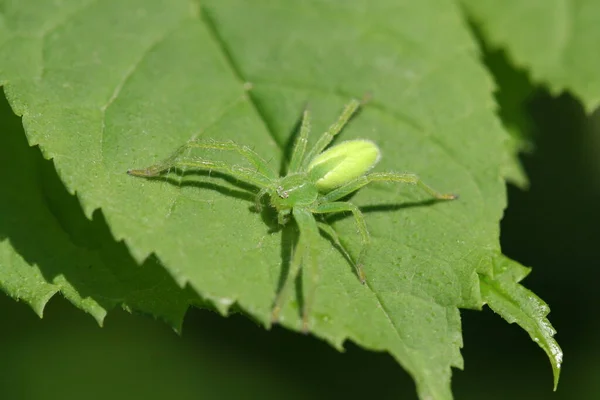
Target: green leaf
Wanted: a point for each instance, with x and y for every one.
(556, 41)
(108, 86)
(47, 245)
(514, 303)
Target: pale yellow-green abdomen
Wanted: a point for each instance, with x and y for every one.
(344, 162)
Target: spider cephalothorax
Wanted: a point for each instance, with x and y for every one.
(314, 183)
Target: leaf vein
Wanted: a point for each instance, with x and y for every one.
(127, 75)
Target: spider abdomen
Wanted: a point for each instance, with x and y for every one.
(343, 163)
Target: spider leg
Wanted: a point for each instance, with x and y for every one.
(341, 206)
(262, 172)
(333, 130)
(245, 151)
(284, 293)
(283, 217)
(258, 198)
(243, 174)
(356, 184)
(336, 239)
(300, 145)
(305, 254)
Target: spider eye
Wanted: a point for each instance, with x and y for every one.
(343, 163)
(284, 194)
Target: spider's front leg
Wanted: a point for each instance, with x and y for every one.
(244, 151)
(328, 136)
(258, 199)
(179, 160)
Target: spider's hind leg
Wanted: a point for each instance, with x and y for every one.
(329, 231)
(365, 238)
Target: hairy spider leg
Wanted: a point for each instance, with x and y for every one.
(329, 231)
(312, 273)
(241, 173)
(283, 294)
(158, 168)
(261, 165)
(258, 198)
(333, 130)
(305, 254)
(364, 180)
(300, 145)
(251, 156)
(365, 238)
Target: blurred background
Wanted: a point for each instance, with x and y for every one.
(552, 227)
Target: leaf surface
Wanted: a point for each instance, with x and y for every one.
(47, 245)
(108, 86)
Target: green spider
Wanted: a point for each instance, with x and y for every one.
(315, 182)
